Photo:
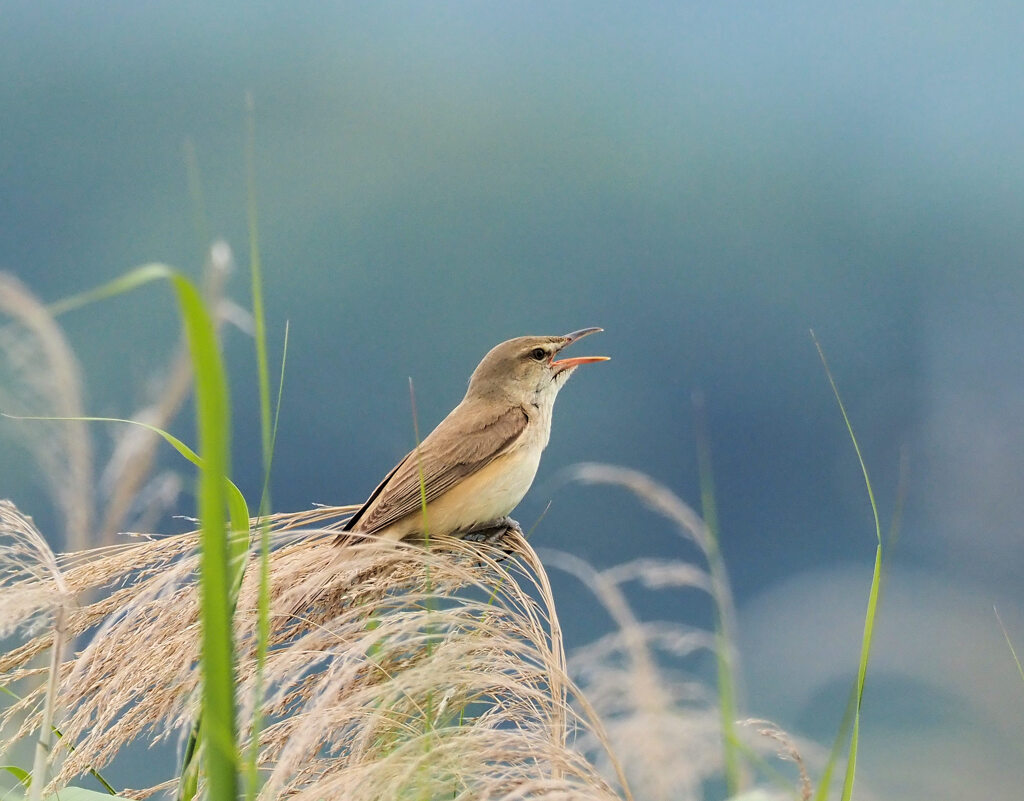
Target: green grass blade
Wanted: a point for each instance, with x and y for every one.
(263, 603)
(268, 434)
(825, 782)
(70, 746)
(853, 437)
(213, 426)
(238, 509)
(131, 280)
(1009, 643)
(256, 279)
(862, 669)
(222, 551)
(873, 594)
(23, 776)
(727, 701)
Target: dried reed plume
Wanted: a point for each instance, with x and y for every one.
(39, 375)
(664, 721)
(393, 671)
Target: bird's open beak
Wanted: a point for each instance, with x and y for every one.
(563, 364)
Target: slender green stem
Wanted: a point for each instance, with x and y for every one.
(213, 425)
(873, 594)
(1009, 643)
(725, 669)
(268, 435)
(256, 280)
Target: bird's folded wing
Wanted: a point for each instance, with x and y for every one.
(453, 451)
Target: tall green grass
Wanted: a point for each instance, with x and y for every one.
(870, 614)
(268, 435)
(224, 546)
(724, 635)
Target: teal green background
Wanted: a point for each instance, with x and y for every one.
(705, 181)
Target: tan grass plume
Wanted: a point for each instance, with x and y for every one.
(421, 673)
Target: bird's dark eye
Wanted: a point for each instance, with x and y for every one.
(539, 354)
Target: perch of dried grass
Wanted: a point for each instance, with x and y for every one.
(393, 671)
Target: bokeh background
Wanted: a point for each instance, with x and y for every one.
(705, 181)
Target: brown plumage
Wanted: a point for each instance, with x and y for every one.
(475, 467)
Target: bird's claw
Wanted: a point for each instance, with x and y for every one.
(494, 532)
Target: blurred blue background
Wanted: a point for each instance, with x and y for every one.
(705, 181)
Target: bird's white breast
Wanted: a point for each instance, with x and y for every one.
(490, 493)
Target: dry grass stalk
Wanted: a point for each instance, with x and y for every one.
(663, 721)
(127, 482)
(25, 557)
(406, 672)
(41, 376)
(787, 750)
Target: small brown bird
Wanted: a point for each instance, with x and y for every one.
(478, 463)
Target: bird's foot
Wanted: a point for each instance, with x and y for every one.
(494, 533)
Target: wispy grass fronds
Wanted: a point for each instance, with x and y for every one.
(787, 750)
(874, 593)
(40, 375)
(128, 477)
(665, 723)
(25, 557)
(735, 778)
(692, 527)
(662, 500)
(442, 677)
(392, 672)
(28, 562)
(216, 495)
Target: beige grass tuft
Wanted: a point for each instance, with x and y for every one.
(662, 723)
(404, 672)
(787, 750)
(643, 678)
(40, 375)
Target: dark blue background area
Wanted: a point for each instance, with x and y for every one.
(706, 182)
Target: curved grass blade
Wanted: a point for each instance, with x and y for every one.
(268, 437)
(218, 551)
(263, 601)
(23, 776)
(238, 509)
(213, 416)
(873, 594)
(133, 279)
(725, 670)
(1009, 643)
(60, 736)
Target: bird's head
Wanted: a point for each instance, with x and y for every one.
(527, 370)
